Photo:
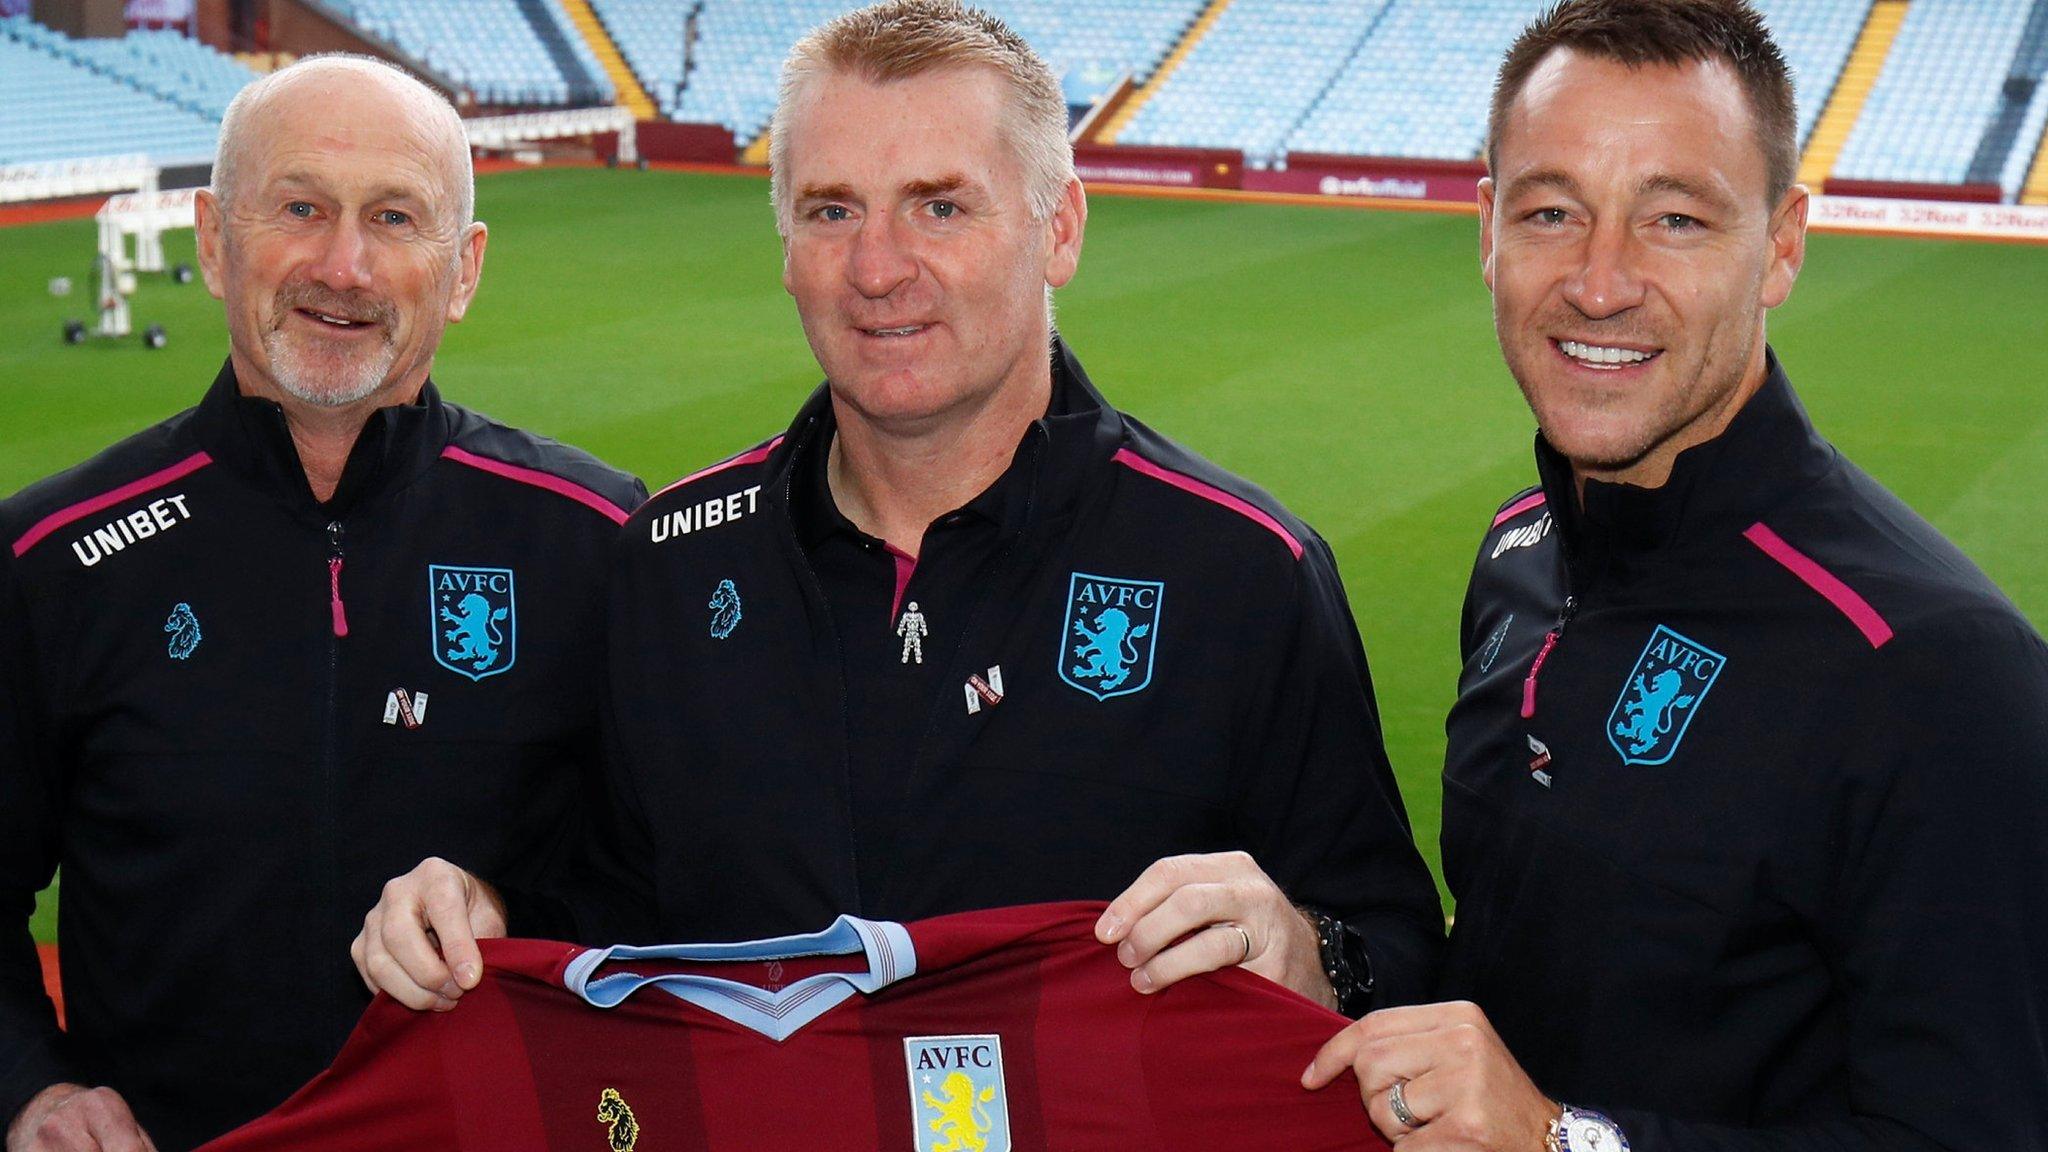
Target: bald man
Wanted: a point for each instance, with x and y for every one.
(262, 655)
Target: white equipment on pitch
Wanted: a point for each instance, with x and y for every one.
(146, 216)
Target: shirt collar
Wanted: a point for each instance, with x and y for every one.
(249, 435)
(1064, 438)
(1768, 452)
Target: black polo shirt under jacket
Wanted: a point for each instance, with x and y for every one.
(1130, 654)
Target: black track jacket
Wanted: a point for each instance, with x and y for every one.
(1226, 704)
(1760, 859)
(226, 778)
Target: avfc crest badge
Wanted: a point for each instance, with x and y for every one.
(473, 618)
(957, 1099)
(1663, 692)
(1110, 634)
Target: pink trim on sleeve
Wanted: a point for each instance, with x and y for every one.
(1209, 492)
(751, 456)
(539, 479)
(1532, 500)
(83, 508)
(1843, 597)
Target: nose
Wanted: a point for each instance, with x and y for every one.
(343, 262)
(880, 260)
(1606, 282)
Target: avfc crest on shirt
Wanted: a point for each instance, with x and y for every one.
(474, 619)
(1663, 692)
(957, 1099)
(1110, 634)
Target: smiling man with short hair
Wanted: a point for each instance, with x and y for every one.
(1135, 675)
(257, 658)
(1746, 793)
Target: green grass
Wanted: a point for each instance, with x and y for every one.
(1343, 359)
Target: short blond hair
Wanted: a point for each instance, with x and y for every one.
(901, 39)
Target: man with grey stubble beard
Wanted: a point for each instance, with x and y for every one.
(238, 648)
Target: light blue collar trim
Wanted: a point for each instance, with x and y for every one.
(776, 1015)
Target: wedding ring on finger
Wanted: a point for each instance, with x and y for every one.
(1399, 1105)
(1241, 932)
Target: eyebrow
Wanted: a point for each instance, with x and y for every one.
(943, 185)
(301, 179)
(825, 192)
(1650, 185)
(1547, 178)
(1679, 185)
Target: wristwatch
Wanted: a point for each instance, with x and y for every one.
(1583, 1130)
(1345, 963)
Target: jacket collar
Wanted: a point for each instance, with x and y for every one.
(249, 436)
(1768, 452)
(1059, 457)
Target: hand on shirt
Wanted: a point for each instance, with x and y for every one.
(1191, 914)
(1459, 1081)
(74, 1118)
(419, 942)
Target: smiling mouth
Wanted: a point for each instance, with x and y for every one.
(331, 320)
(1604, 357)
(892, 333)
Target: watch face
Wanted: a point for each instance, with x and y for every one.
(1590, 1132)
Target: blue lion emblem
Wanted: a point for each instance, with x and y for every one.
(1116, 624)
(184, 629)
(1660, 697)
(1648, 716)
(725, 610)
(476, 636)
(475, 619)
(1109, 649)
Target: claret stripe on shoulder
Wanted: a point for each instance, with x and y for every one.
(1211, 493)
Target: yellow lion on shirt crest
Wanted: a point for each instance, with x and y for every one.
(962, 1124)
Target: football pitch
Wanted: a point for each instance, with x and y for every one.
(1342, 358)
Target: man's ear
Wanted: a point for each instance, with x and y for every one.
(1068, 222)
(1486, 231)
(470, 272)
(1788, 245)
(207, 223)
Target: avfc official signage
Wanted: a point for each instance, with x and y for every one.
(958, 1102)
(1662, 694)
(1110, 634)
(474, 619)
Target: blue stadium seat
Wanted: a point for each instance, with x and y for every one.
(1938, 93)
(154, 93)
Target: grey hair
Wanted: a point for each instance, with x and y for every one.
(227, 153)
(899, 39)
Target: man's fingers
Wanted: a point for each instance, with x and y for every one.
(111, 1125)
(1215, 947)
(1423, 1096)
(1377, 1060)
(387, 977)
(1188, 909)
(1159, 881)
(439, 949)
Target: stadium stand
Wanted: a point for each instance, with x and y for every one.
(1816, 37)
(1939, 94)
(153, 93)
(513, 52)
(741, 45)
(1419, 84)
(1259, 70)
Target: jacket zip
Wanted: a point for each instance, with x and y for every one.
(327, 836)
(334, 605)
(1550, 639)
